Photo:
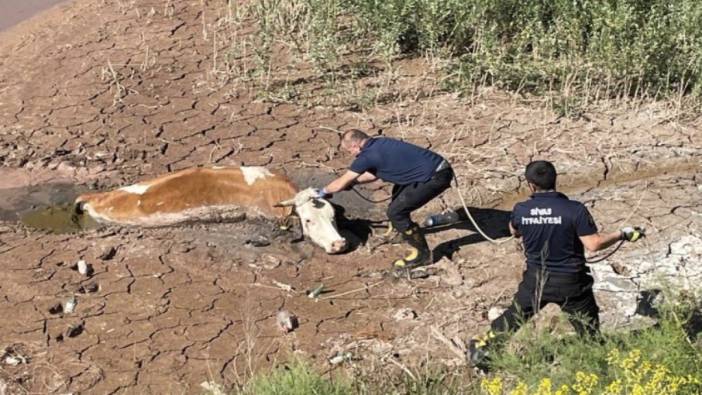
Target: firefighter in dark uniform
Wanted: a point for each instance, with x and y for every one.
(418, 175)
(555, 231)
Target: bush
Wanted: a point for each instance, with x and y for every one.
(598, 48)
(659, 360)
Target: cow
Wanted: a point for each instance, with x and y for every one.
(215, 194)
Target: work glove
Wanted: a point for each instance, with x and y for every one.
(632, 233)
(321, 193)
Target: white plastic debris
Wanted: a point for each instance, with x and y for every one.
(316, 291)
(70, 305)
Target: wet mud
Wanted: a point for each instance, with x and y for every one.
(165, 310)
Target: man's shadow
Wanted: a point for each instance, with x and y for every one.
(647, 306)
(493, 222)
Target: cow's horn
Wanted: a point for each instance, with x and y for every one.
(285, 203)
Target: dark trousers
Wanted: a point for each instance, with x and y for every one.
(572, 292)
(407, 198)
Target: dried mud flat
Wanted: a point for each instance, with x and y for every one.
(99, 95)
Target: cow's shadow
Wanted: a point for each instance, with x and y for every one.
(493, 222)
(357, 231)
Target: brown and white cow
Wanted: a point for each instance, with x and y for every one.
(216, 193)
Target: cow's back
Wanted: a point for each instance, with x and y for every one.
(193, 194)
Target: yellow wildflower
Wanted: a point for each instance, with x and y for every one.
(614, 388)
(492, 387)
(584, 383)
(564, 390)
(520, 389)
(544, 387)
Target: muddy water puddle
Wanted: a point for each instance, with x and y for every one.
(46, 207)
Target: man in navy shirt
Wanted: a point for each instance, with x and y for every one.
(418, 175)
(555, 232)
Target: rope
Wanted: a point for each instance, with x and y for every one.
(475, 224)
(371, 200)
(465, 208)
(595, 260)
(472, 220)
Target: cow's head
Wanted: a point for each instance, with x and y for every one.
(317, 217)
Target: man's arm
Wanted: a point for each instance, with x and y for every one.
(340, 183)
(600, 241)
(366, 177)
(513, 231)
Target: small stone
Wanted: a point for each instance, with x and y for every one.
(495, 312)
(258, 241)
(404, 314)
(108, 253)
(84, 268)
(212, 388)
(12, 360)
(340, 357)
(287, 322)
(270, 262)
(621, 269)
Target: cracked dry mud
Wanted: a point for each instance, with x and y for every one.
(100, 94)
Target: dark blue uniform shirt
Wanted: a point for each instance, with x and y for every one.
(396, 161)
(550, 225)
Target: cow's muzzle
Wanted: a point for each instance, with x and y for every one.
(338, 246)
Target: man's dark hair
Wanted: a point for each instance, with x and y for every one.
(354, 135)
(542, 174)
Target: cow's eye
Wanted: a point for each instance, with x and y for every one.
(307, 221)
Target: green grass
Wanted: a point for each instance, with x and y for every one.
(673, 346)
(663, 359)
(296, 378)
(582, 49)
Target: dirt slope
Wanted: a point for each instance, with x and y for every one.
(99, 94)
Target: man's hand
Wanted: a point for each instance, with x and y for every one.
(321, 193)
(350, 185)
(632, 233)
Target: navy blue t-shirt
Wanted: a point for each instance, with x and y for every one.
(550, 225)
(396, 161)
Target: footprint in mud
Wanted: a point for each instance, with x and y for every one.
(89, 288)
(257, 241)
(56, 309)
(73, 330)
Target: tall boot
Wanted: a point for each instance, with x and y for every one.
(419, 253)
(391, 236)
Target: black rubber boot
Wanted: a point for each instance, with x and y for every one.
(478, 352)
(419, 255)
(391, 236)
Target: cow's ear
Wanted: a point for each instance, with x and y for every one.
(285, 203)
